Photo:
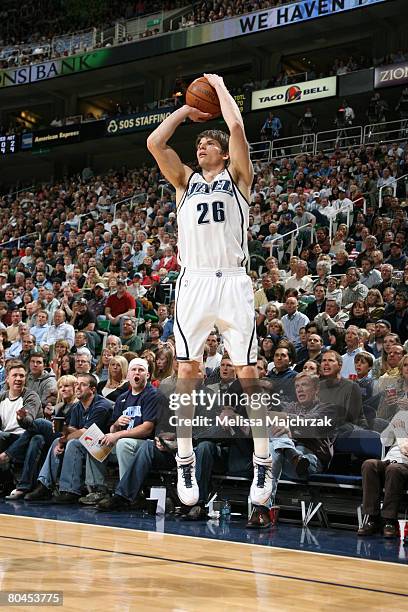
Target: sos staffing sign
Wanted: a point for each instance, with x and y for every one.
(294, 94)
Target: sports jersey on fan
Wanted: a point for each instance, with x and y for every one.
(213, 219)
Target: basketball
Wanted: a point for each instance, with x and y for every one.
(203, 96)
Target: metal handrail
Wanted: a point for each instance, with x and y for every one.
(18, 240)
(18, 191)
(337, 136)
(292, 241)
(386, 131)
(129, 199)
(393, 187)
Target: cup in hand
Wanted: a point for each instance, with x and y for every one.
(59, 422)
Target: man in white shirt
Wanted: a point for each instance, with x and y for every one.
(60, 330)
(352, 340)
(213, 358)
(300, 280)
(18, 409)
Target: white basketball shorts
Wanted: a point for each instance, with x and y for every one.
(225, 298)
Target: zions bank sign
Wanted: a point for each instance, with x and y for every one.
(292, 94)
(54, 68)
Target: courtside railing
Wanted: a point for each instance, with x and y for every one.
(340, 138)
(393, 188)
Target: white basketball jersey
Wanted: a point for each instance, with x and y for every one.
(212, 221)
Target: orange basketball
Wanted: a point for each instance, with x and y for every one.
(203, 96)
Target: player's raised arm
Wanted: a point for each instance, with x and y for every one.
(240, 161)
(169, 162)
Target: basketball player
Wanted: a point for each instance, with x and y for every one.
(213, 287)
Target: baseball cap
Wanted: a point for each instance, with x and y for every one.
(81, 300)
(101, 285)
(395, 244)
(121, 281)
(138, 361)
(172, 215)
(316, 194)
(384, 322)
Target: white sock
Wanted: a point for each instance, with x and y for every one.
(184, 447)
(261, 447)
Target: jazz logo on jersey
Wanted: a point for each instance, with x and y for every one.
(223, 186)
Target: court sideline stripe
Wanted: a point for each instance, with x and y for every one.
(206, 565)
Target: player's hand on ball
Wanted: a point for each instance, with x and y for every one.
(214, 80)
(198, 116)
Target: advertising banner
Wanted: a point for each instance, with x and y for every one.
(126, 124)
(294, 94)
(391, 75)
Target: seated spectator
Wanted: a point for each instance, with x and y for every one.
(97, 303)
(118, 305)
(382, 328)
(267, 348)
(130, 340)
(358, 315)
(282, 373)
(300, 280)
(293, 321)
(101, 368)
(398, 318)
(344, 393)
(332, 318)
(163, 364)
(133, 421)
(314, 349)
(38, 379)
(319, 304)
(114, 344)
(311, 368)
(169, 260)
(83, 362)
(67, 452)
(323, 271)
(370, 277)
(380, 365)
(299, 451)
(116, 382)
(394, 355)
(354, 289)
(13, 328)
(13, 351)
(333, 290)
(61, 349)
(363, 362)
(154, 332)
(59, 330)
(390, 473)
(19, 407)
(375, 304)
(31, 446)
(41, 327)
(396, 259)
(265, 294)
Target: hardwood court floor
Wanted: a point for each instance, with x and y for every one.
(108, 568)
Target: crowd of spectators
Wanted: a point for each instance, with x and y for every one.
(87, 310)
(209, 11)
